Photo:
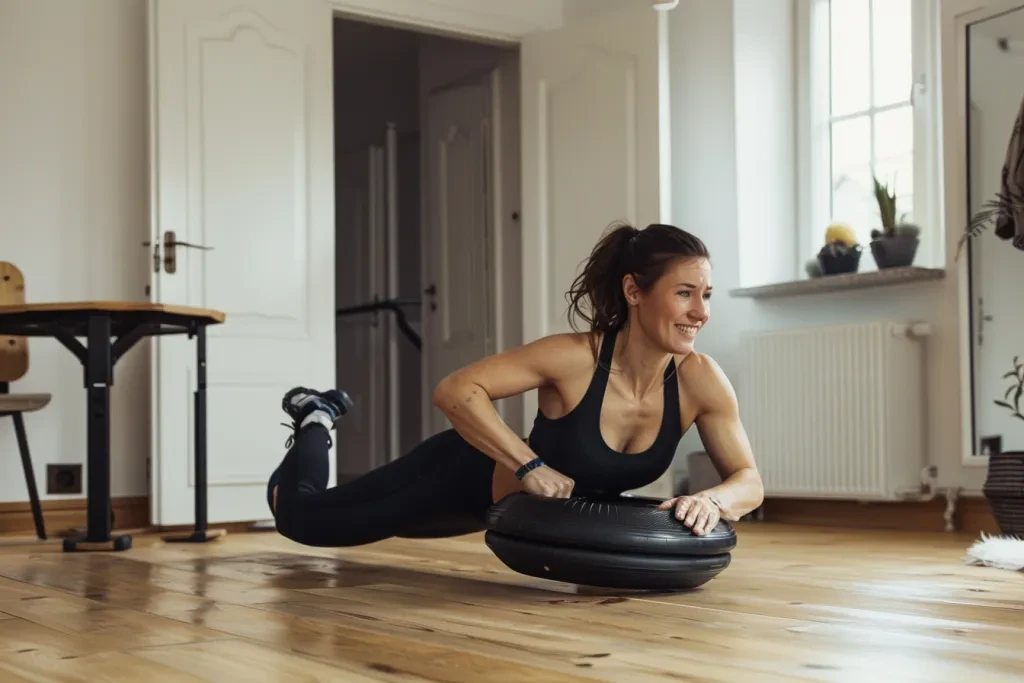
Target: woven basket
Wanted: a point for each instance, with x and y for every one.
(1004, 489)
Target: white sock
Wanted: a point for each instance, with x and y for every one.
(319, 416)
(301, 399)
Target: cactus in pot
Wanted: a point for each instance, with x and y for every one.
(895, 245)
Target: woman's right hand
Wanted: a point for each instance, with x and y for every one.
(548, 483)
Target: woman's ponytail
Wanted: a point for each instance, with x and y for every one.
(596, 294)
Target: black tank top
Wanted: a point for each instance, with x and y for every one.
(573, 445)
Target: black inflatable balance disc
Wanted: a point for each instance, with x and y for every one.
(621, 542)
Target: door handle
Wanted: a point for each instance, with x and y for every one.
(431, 290)
(982, 319)
(170, 257)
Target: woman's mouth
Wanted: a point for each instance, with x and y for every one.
(688, 331)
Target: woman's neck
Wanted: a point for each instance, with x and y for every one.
(639, 364)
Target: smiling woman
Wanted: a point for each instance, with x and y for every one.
(613, 402)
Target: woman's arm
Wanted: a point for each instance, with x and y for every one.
(466, 396)
(725, 439)
(726, 442)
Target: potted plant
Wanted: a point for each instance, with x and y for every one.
(1004, 482)
(1003, 210)
(895, 245)
(841, 253)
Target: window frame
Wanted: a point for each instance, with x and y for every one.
(813, 99)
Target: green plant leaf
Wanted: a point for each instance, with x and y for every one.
(1009, 390)
(1003, 404)
(1002, 204)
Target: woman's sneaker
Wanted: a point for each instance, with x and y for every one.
(306, 406)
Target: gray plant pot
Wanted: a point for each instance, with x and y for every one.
(897, 251)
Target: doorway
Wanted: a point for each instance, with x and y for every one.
(427, 263)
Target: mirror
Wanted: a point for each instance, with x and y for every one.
(995, 90)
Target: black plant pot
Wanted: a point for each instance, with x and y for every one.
(897, 251)
(838, 262)
(1004, 489)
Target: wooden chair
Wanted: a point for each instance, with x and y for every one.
(13, 366)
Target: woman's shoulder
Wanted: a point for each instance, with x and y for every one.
(703, 377)
(575, 345)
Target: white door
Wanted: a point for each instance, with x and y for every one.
(457, 307)
(361, 352)
(595, 149)
(242, 140)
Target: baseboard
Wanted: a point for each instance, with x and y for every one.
(67, 514)
(973, 514)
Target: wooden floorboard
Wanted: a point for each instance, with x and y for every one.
(797, 604)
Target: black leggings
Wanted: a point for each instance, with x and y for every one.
(442, 479)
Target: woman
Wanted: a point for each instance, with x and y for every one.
(613, 403)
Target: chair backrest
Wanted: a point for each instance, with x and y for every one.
(13, 350)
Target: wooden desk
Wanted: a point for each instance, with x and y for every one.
(110, 329)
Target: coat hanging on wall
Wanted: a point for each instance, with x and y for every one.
(1010, 216)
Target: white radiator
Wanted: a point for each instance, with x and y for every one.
(836, 411)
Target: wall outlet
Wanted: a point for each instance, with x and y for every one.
(991, 445)
(63, 479)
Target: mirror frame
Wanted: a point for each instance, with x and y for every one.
(958, 15)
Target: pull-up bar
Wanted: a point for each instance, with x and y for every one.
(393, 305)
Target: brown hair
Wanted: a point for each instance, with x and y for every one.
(624, 250)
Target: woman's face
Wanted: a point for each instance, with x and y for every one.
(677, 306)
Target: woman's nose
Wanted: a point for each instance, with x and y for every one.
(699, 310)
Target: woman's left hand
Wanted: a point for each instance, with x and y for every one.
(699, 513)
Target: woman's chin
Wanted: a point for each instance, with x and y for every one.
(681, 344)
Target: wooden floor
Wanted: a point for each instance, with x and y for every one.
(796, 605)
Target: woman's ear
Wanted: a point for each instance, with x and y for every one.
(630, 290)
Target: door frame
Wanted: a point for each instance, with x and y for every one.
(437, 16)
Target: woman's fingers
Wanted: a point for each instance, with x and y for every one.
(682, 506)
(691, 514)
(700, 526)
(699, 514)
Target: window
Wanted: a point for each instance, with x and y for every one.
(867, 101)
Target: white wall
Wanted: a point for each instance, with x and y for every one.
(705, 118)
(765, 140)
(574, 10)
(74, 212)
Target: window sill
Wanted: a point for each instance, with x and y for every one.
(837, 283)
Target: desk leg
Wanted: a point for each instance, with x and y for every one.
(201, 534)
(99, 376)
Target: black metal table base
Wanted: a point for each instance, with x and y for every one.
(200, 534)
(196, 536)
(98, 359)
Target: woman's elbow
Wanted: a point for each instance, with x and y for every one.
(451, 391)
(443, 392)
